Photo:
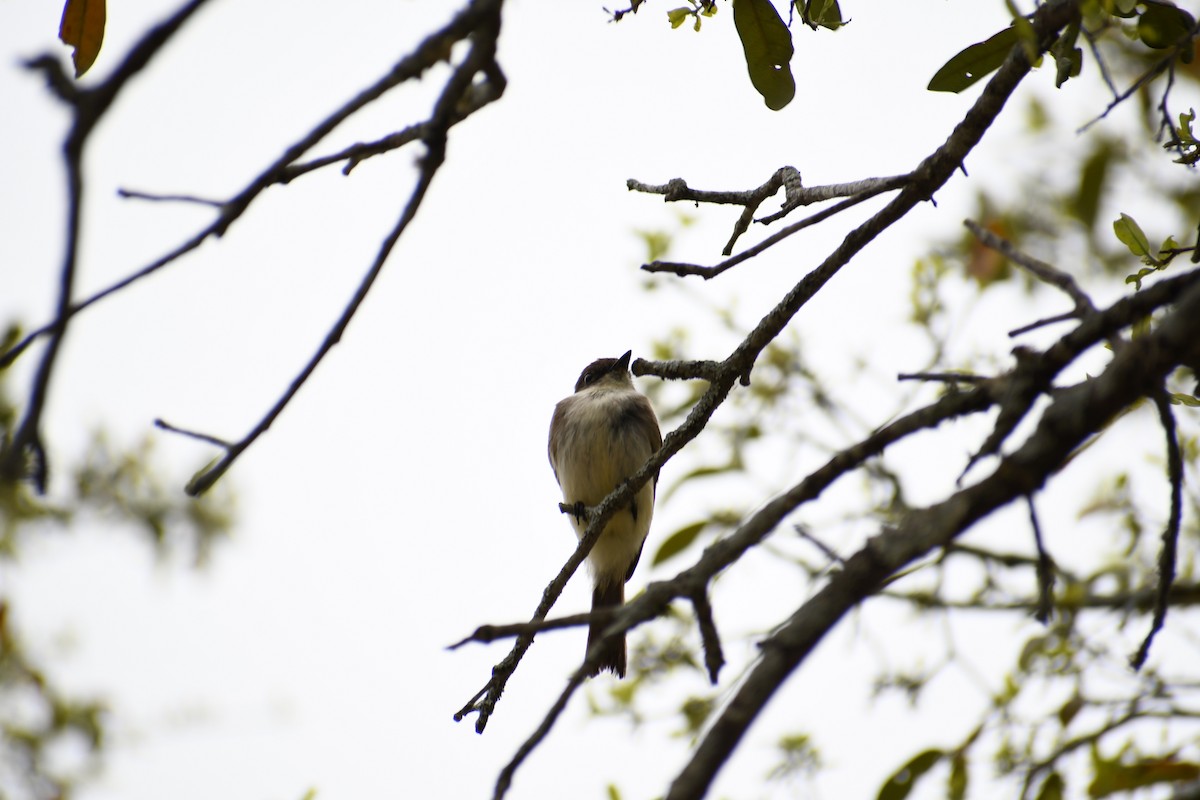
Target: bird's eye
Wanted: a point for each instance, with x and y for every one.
(589, 377)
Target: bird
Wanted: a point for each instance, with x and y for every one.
(599, 437)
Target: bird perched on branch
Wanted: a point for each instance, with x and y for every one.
(599, 437)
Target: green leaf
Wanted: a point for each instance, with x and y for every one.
(901, 783)
(767, 44)
(701, 472)
(1052, 788)
(820, 14)
(1112, 776)
(1136, 278)
(696, 711)
(1085, 205)
(1131, 235)
(1068, 59)
(1120, 8)
(972, 63)
(1179, 399)
(1069, 709)
(1161, 27)
(1026, 35)
(678, 16)
(957, 788)
(677, 542)
(1186, 118)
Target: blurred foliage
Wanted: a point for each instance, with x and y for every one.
(1070, 718)
(106, 486)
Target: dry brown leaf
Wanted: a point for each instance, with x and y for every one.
(82, 27)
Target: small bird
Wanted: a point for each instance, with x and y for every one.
(599, 436)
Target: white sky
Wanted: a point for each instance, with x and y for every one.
(404, 497)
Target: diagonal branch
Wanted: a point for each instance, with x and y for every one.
(694, 580)
(722, 554)
(929, 176)
(480, 58)
(1168, 553)
(431, 51)
(1075, 414)
(683, 270)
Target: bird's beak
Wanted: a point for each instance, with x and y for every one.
(623, 362)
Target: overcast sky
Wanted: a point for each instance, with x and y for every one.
(404, 497)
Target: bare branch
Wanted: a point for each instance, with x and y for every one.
(1156, 69)
(677, 190)
(1045, 568)
(431, 51)
(1142, 600)
(1040, 269)
(1168, 553)
(24, 455)
(203, 437)
(490, 633)
(825, 549)
(133, 194)
(658, 595)
(1041, 323)
(480, 58)
(807, 195)
(677, 370)
(683, 270)
(709, 638)
(944, 377)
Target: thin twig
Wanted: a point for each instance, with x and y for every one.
(825, 549)
(1045, 568)
(682, 269)
(1168, 552)
(710, 640)
(1149, 75)
(490, 633)
(1142, 600)
(133, 194)
(1044, 272)
(944, 377)
(1041, 323)
(1105, 75)
(204, 437)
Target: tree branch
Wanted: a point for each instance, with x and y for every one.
(1168, 552)
(1072, 417)
(929, 176)
(431, 51)
(658, 595)
(490, 633)
(480, 58)
(874, 187)
(25, 455)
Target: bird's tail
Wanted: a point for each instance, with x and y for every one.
(610, 595)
